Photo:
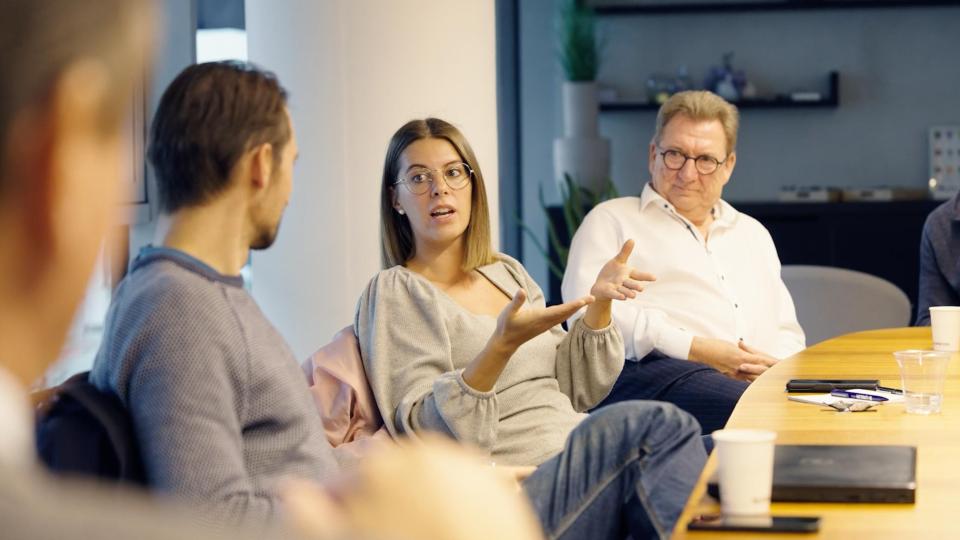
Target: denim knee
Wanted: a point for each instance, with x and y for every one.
(646, 424)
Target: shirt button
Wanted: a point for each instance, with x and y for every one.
(736, 305)
(721, 278)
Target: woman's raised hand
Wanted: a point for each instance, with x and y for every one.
(617, 280)
(516, 324)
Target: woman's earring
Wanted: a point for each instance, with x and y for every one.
(400, 211)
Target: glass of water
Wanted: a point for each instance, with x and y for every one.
(923, 374)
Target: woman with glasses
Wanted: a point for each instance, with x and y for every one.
(456, 339)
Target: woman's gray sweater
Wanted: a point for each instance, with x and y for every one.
(416, 340)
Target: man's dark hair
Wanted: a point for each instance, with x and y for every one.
(39, 39)
(208, 117)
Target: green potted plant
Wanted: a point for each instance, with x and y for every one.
(576, 202)
(580, 153)
(576, 30)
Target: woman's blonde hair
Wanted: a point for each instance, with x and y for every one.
(700, 105)
(397, 245)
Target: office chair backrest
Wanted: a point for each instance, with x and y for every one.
(84, 431)
(834, 301)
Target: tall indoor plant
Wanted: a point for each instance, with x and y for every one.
(580, 153)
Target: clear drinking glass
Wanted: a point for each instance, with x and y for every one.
(923, 374)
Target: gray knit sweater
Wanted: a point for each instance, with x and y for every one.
(220, 407)
(416, 340)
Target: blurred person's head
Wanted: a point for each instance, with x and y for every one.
(693, 151)
(69, 70)
(432, 192)
(459, 497)
(223, 127)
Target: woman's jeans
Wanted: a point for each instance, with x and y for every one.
(627, 469)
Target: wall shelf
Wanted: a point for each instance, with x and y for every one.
(830, 100)
(739, 7)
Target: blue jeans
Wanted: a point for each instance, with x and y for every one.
(626, 469)
(696, 388)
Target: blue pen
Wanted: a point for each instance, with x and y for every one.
(857, 395)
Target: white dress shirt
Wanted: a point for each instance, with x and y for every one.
(726, 286)
(16, 423)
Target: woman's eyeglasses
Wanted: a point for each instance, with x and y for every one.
(418, 180)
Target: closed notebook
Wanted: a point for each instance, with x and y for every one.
(843, 473)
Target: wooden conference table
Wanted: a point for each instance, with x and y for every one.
(862, 355)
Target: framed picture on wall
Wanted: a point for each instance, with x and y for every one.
(137, 201)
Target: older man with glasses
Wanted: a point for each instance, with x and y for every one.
(718, 314)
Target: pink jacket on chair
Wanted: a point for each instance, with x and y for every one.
(342, 394)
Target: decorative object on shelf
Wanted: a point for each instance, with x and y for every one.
(682, 81)
(884, 194)
(749, 100)
(944, 148)
(660, 87)
(821, 194)
(581, 153)
(725, 81)
(726, 88)
(804, 194)
(576, 202)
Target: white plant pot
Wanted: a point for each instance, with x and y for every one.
(579, 109)
(585, 159)
(581, 152)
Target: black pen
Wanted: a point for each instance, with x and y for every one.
(891, 390)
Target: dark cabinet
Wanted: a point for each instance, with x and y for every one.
(879, 238)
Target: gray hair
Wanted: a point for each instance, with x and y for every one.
(700, 105)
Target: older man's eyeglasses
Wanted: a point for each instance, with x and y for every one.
(419, 179)
(675, 160)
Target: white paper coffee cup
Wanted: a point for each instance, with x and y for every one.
(745, 463)
(945, 325)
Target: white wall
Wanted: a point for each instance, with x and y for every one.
(356, 71)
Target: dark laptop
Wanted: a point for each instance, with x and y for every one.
(843, 473)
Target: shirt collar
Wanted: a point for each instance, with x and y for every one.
(956, 207)
(149, 254)
(723, 214)
(16, 423)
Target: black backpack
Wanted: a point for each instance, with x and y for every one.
(83, 431)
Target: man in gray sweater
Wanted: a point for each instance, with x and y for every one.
(69, 69)
(219, 404)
